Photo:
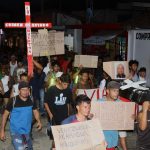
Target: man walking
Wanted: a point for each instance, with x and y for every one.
(20, 110)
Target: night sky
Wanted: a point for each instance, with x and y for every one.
(14, 9)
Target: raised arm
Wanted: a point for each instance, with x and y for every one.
(38, 65)
(142, 117)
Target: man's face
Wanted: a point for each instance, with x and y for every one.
(56, 68)
(24, 78)
(113, 93)
(20, 65)
(85, 77)
(134, 67)
(120, 69)
(84, 109)
(24, 92)
(65, 85)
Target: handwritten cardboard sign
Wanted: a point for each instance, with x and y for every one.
(114, 115)
(86, 135)
(45, 43)
(116, 69)
(87, 61)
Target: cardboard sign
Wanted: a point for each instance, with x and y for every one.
(116, 69)
(114, 115)
(93, 94)
(87, 61)
(46, 43)
(86, 135)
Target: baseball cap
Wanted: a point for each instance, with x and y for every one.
(113, 85)
(23, 84)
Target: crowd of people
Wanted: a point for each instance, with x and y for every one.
(52, 92)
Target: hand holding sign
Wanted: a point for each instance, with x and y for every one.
(85, 135)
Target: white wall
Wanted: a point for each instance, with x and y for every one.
(139, 48)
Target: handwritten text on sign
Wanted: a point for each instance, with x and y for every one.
(86, 61)
(78, 136)
(47, 43)
(114, 115)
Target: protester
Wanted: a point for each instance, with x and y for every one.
(84, 82)
(12, 64)
(133, 66)
(37, 84)
(111, 136)
(15, 90)
(50, 79)
(83, 106)
(143, 127)
(142, 74)
(58, 99)
(5, 80)
(19, 70)
(20, 110)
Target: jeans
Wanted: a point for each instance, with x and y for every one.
(21, 141)
(41, 103)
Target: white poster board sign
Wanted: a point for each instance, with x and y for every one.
(87, 61)
(46, 43)
(116, 69)
(139, 49)
(122, 113)
(86, 135)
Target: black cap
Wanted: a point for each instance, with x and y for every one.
(113, 85)
(23, 84)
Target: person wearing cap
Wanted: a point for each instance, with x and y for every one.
(111, 136)
(20, 109)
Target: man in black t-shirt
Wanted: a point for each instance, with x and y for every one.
(57, 100)
(20, 109)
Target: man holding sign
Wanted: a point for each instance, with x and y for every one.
(83, 106)
(112, 135)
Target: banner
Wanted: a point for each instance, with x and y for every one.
(114, 115)
(139, 49)
(93, 94)
(87, 135)
(46, 43)
(116, 69)
(87, 61)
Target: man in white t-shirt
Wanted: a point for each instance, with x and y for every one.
(12, 64)
(18, 71)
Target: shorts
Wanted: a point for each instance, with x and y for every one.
(122, 134)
